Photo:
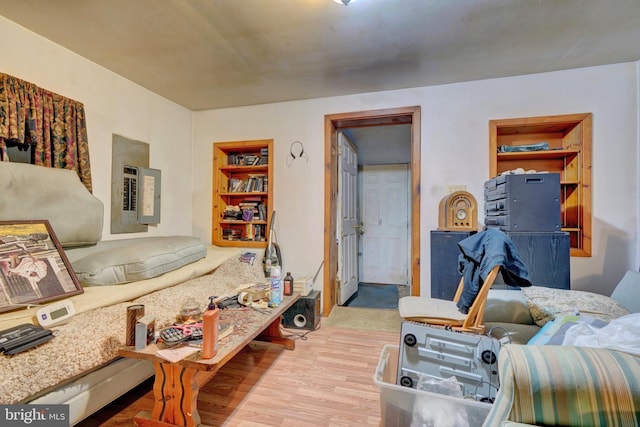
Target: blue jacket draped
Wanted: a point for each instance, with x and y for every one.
(479, 254)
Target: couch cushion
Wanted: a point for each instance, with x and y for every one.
(129, 260)
(546, 304)
(507, 306)
(57, 195)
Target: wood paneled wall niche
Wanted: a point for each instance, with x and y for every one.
(570, 139)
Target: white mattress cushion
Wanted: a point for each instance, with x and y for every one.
(129, 260)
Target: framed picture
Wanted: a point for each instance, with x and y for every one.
(33, 266)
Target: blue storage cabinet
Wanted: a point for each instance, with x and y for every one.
(546, 255)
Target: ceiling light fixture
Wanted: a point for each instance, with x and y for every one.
(345, 2)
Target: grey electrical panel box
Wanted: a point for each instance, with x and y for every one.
(149, 196)
(135, 188)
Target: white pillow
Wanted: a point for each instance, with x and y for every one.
(123, 261)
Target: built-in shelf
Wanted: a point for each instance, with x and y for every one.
(242, 181)
(569, 138)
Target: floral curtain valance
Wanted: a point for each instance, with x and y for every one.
(52, 124)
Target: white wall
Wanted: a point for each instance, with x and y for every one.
(454, 151)
(112, 105)
(454, 146)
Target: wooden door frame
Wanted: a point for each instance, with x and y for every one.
(334, 123)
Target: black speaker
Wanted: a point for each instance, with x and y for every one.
(304, 313)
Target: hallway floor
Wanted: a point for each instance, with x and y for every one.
(373, 295)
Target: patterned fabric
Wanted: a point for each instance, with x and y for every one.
(545, 304)
(53, 125)
(568, 386)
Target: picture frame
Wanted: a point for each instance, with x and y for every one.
(33, 266)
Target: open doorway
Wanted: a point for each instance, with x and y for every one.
(333, 125)
(373, 225)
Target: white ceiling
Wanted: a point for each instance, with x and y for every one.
(206, 54)
(382, 145)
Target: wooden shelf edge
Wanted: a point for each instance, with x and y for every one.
(577, 252)
(243, 193)
(538, 155)
(241, 243)
(246, 168)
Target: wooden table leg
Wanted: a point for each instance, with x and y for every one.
(175, 391)
(273, 334)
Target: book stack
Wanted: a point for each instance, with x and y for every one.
(264, 156)
(230, 234)
(242, 159)
(232, 212)
(255, 183)
(251, 204)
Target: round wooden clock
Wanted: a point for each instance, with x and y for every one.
(458, 211)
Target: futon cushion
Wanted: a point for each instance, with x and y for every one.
(129, 260)
(546, 304)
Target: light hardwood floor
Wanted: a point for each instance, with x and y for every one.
(326, 381)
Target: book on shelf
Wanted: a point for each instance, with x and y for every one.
(230, 234)
(247, 159)
(254, 183)
(232, 212)
(249, 198)
(259, 233)
(248, 232)
(262, 212)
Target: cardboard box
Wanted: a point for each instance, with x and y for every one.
(304, 285)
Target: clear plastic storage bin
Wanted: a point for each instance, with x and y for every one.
(404, 407)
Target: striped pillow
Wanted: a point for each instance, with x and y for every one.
(563, 385)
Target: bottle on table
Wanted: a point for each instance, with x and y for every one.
(275, 287)
(210, 329)
(288, 284)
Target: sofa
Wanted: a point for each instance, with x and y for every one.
(80, 366)
(596, 383)
(517, 315)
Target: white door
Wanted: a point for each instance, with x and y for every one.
(384, 196)
(347, 226)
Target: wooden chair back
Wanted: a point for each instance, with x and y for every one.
(474, 321)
